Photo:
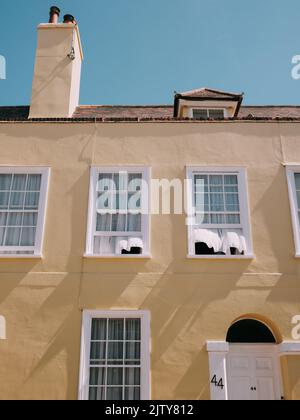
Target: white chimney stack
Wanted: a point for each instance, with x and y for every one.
(56, 81)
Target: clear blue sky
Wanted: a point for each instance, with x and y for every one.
(140, 51)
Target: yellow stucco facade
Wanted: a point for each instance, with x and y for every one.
(191, 301)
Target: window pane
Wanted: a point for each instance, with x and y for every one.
(17, 200)
(98, 352)
(34, 183)
(104, 201)
(134, 223)
(115, 352)
(15, 219)
(28, 236)
(133, 329)
(202, 202)
(116, 329)
(104, 245)
(297, 181)
(114, 394)
(5, 182)
(2, 234)
(200, 114)
(133, 351)
(232, 219)
(201, 183)
(3, 219)
(134, 182)
(231, 188)
(97, 376)
(30, 219)
(99, 329)
(32, 200)
(216, 180)
(19, 183)
(105, 182)
(218, 219)
(132, 376)
(103, 222)
(114, 376)
(298, 199)
(134, 201)
(4, 199)
(122, 181)
(216, 113)
(232, 202)
(97, 394)
(216, 189)
(202, 219)
(231, 180)
(217, 202)
(132, 394)
(120, 201)
(118, 223)
(13, 236)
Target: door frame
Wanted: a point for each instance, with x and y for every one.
(270, 350)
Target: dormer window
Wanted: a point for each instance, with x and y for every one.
(207, 104)
(208, 114)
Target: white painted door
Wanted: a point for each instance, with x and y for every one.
(253, 373)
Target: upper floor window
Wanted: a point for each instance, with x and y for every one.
(118, 213)
(23, 193)
(206, 114)
(293, 176)
(115, 356)
(218, 212)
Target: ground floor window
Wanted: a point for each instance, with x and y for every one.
(115, 356)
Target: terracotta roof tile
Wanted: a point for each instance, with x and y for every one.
(147, 113)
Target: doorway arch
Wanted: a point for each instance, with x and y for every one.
(250, 331)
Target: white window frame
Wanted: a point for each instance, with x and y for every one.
(84, 375)
(290, 172)
(244, 209)
(40, 228)
(91, 227)
(207, 108)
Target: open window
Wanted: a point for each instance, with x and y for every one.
(118, 212)
(218, 213)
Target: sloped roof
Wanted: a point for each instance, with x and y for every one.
(140, 113)
(209, 94)
(85, 111)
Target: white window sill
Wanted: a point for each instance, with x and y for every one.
(118, 257)
(297, 256)
(20, 257)
(221, 257)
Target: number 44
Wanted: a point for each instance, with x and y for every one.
(217, 384)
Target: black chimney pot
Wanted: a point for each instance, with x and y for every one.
(69, 19)
(54, 14)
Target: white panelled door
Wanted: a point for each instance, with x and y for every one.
(253, 373)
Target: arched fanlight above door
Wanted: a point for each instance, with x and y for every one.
(250, 331)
